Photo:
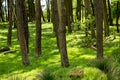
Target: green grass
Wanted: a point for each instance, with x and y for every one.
(11, 64)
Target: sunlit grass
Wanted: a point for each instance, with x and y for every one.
(10, 64)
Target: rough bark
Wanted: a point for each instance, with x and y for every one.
(99, 25)
(1, 11)
(38, 28)
(62, 35)
(105, 16)
(110, 16)
(78, 10)
(117, 16)
(68, 14)
(10, 23)
(48, 10)
(21, 22)
(55, 19)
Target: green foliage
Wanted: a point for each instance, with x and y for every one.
(45, 75)
(114, 8)
(76, 25)
(50, 59)
(94, 74)
(100, 64)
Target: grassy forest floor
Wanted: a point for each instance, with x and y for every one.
(80, 57)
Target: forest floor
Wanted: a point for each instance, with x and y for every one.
(11, 67)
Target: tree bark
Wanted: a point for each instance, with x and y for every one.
(48, 10)
(117, 16)
(1, 11)
(62, 35)
(38, 28)
(31, 9)
(99, 25)
(105, 18)
(68, 14)
(55, 19)
(78, 10)
(21, 22)
(110, 16)
(10, 23)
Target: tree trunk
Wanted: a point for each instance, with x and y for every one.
(110, 17)
(31, 9)
(68, 14)
(10, 23)
(117, 16)
(88, 7)
(38, 28)
(62, 35)
(48, 10)
(21, 22)
(1, 11)
(105, 16)
(78, 10)
(55, 19)
(92, 5)
(99, 25)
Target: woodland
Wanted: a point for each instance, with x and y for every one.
(59, 39)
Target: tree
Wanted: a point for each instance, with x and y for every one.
(48, 10)
(117, 16)
(31, 9)
(105, 18)
(110, 16)
(78, 10)
(98, 4)
(61, 34)
(10, 22)
(55, 19)
(68, 14)
(22, 30)
(1, 11)
(38, 28)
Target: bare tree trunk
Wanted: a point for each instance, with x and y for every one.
(117, 16)
(78, 10)
(99, 24)
(1, 11)
(105, 16)
(21, 22)
(10, 23)
(92, 5)
(55, 19)
(31, 10)
(68, 14)
(110, 17)
(38, 28)
(48, 10)
(62, 35)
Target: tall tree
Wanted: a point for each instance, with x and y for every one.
(117, 16)
(105, 18)
(31, 9)
(48, 10)
(10, 22)
(110, 16)
(62, 35)
(1, 11)
(78, 10)
(55, 18)
(68, 14)
(22, 30)
(99, 25)
(38, 28)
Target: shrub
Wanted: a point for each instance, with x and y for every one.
(45, 75)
